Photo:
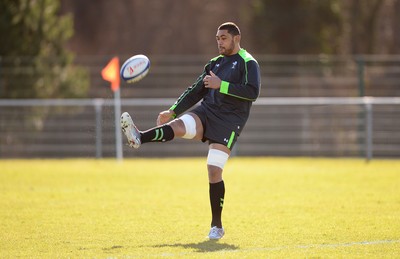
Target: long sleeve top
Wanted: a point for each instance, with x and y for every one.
(230, 104)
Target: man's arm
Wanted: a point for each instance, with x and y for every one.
(192, 95)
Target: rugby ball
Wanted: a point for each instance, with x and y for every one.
(135, 68)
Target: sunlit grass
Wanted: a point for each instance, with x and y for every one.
(274, 207)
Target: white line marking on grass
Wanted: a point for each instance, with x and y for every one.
(376, 242)
(277, 248)
(364, 243)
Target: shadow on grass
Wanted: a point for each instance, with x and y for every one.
(203, 247)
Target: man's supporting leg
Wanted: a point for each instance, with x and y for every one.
(217, 195)
(217, 157)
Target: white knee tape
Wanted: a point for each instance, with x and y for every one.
(190, 126)
(217, 158)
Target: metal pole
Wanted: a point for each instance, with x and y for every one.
(1, 61)
(361, 76)
(368, 130)
(98, 104)
(117, 111)
(361, 93)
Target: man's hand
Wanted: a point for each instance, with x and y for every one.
(164, 117)
(212, 81)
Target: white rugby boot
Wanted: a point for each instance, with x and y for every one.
(130, 130)
(216, 233)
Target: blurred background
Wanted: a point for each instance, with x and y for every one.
(318, 59)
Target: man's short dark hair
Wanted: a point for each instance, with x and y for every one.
(232, 28)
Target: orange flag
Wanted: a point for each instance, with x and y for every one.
(111, 73)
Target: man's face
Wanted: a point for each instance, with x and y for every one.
(226, 42)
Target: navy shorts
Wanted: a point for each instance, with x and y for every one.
(215, 131)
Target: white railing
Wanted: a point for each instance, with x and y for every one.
(258, 124)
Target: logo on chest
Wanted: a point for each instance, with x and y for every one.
(234, 65)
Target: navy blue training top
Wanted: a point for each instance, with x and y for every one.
(230, 104)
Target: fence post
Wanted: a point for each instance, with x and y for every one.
(1, 63)
(117, 114)
(368, 129)
(98, 104)
(361, 92)
(361, 79)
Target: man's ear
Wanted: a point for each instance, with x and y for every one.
(236, 38)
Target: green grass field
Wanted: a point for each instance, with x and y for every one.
(274, 207)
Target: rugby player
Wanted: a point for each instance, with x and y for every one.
(228, 86)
